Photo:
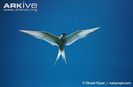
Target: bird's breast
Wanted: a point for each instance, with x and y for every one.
(61, 43)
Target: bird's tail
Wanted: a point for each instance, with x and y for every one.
(61, 52)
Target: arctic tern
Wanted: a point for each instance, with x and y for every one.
(61, 41)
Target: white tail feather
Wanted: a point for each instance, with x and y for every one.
(63, 56)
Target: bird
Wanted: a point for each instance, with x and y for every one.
(62, 40)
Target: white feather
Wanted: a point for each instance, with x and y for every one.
(61, 53)
(43, 36)
(78, 35)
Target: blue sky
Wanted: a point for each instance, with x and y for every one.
(105, 55)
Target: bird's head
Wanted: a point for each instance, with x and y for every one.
(63, 34)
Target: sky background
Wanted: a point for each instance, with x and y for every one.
(105, 55)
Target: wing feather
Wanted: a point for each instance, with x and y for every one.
(78, 35)
(50, 38)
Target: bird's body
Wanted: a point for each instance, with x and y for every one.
(60, 41)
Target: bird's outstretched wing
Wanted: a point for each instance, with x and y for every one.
(50, 38)
(78, 35)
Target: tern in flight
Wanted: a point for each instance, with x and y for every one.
(61, 41)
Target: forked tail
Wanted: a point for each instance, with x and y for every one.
(61, 52)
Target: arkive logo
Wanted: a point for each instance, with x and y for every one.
(22, 6)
